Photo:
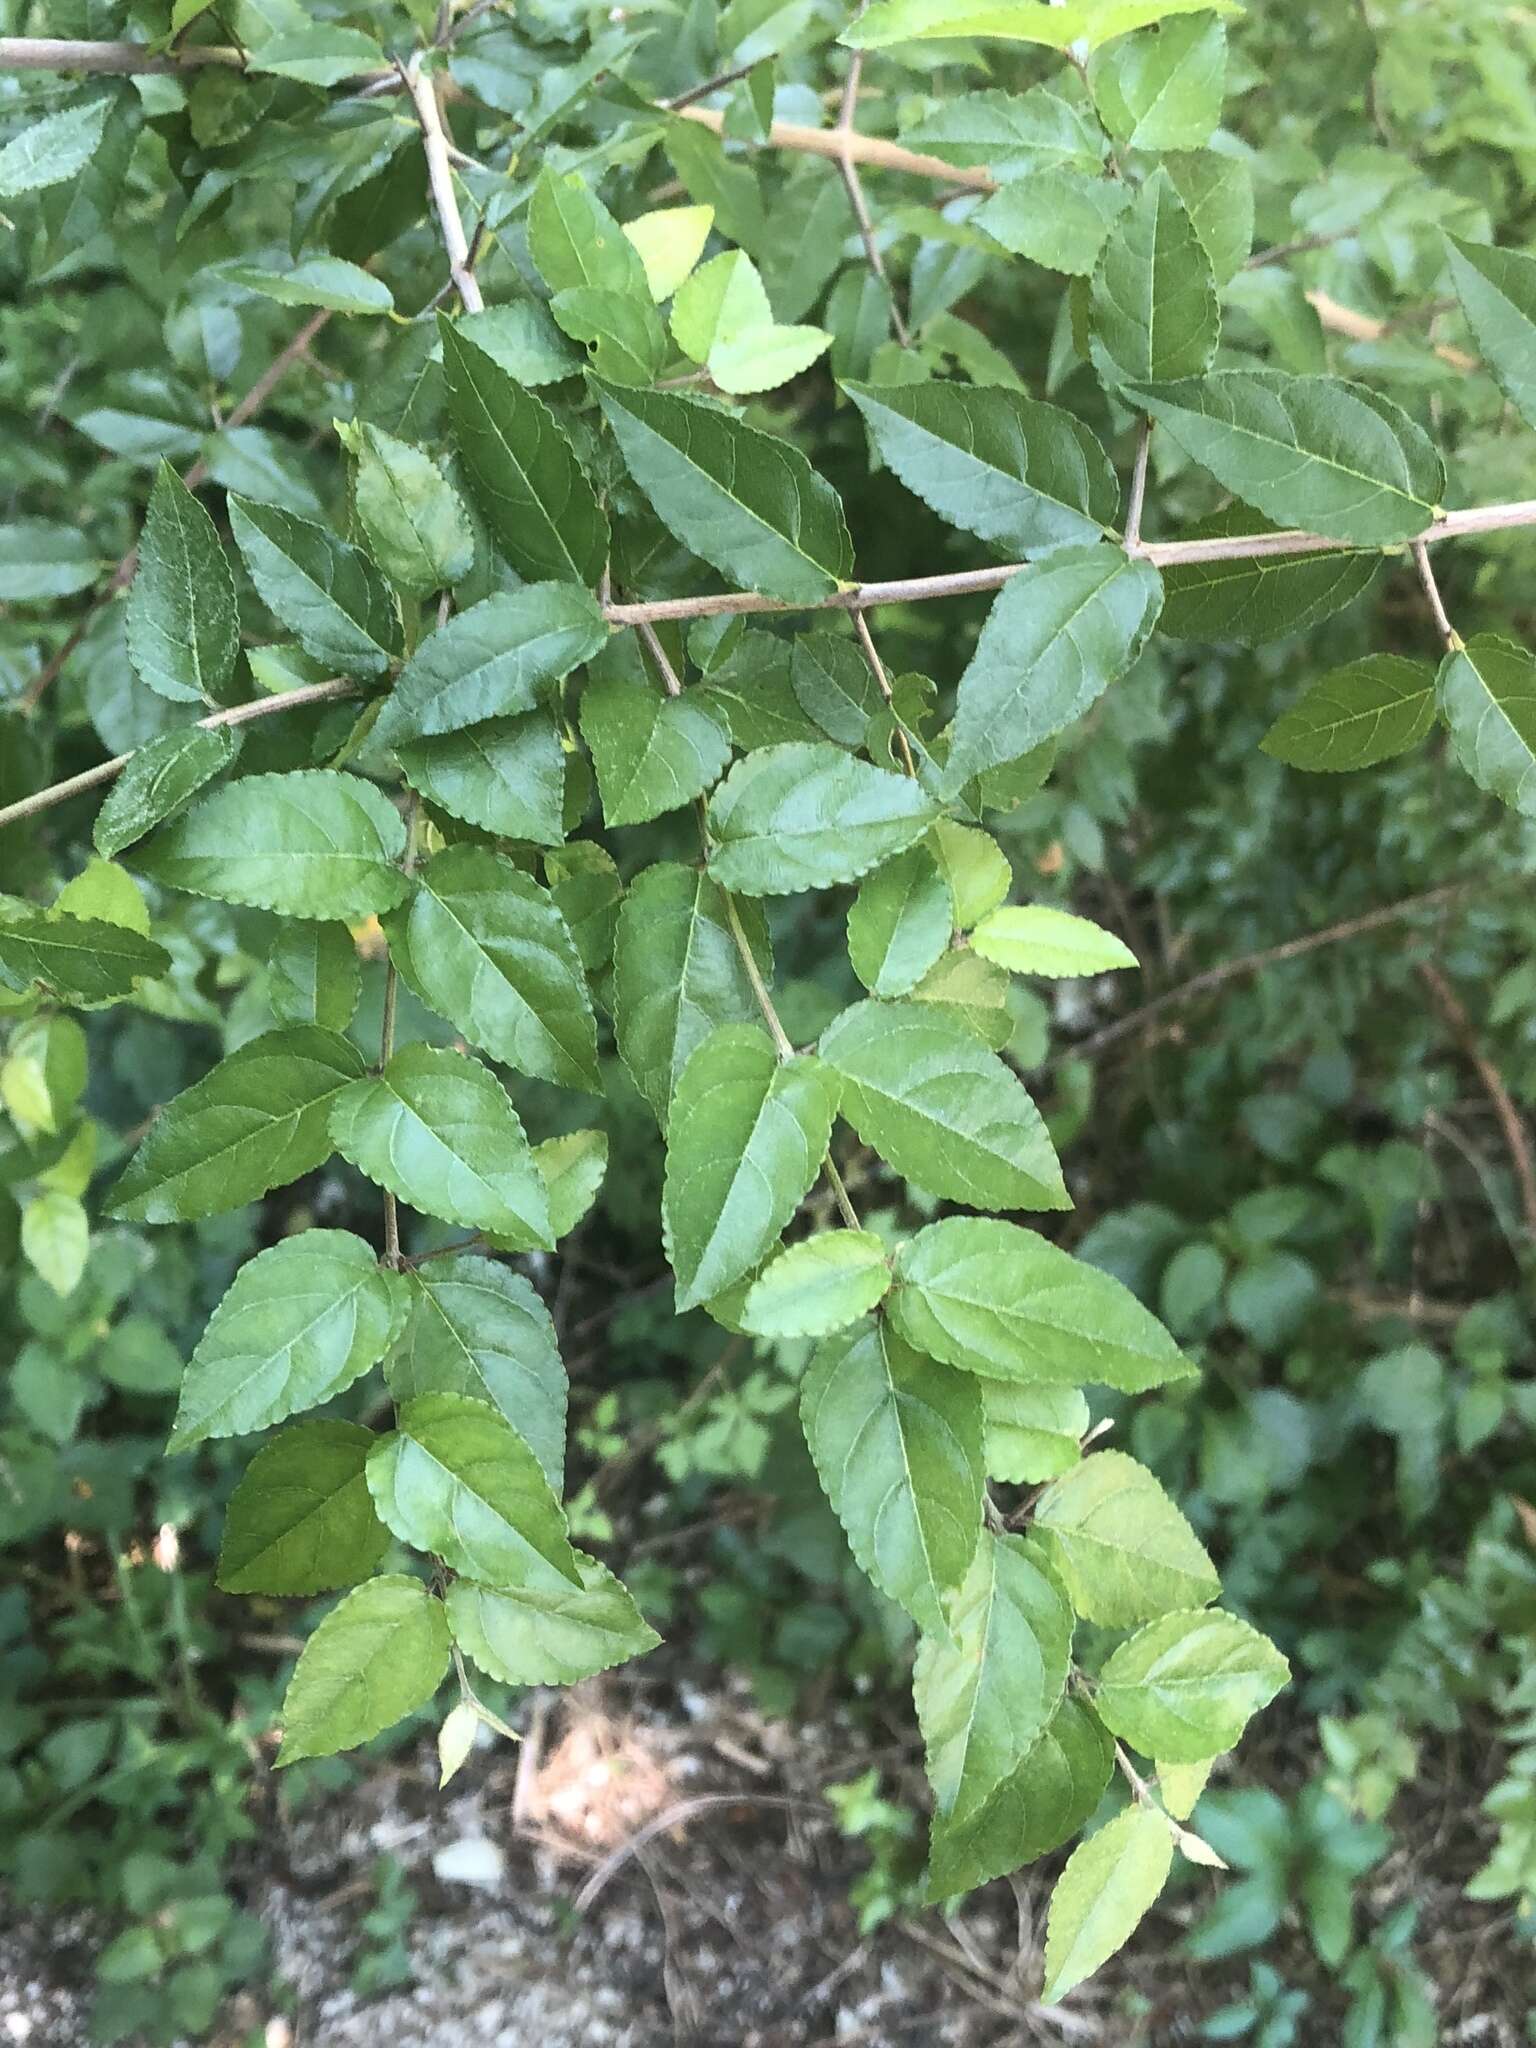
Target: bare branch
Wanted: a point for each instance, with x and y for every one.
(423, 94)
(123, 60)
(854, 187)
(1138, 499)
(1516, 1137)
(1443, 625)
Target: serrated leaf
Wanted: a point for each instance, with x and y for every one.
(1123, 1548)
(1313, 452)
(941, 1109)
(1109, 1883)
(1009, 134)
(1152, 312)
(521, 338)
(742, 500)
(669, 241)
(299, 1323)
(160, 780)
(803, 816)
(183, 631)
(752, 690)
(897, 1442)
(1163, 90)
(1058, 27)
(486, 948)
(1033, 1432)
(1497, 289)
(1186, 1686)
(625, 340)
(573, 1168)
(1058, 634)
(975, 868)
(506, 775)
(301, 1520)
(899, 923)
(653, 753)
(835, 686)
(987, 1691)
(522, 470)
(492, 661)
(722, 318)
(745, 1140)
(1025, 476)
(822, 1284)
(54, 149)
(1044, 1803)
(1356, 716)
(319, 54)
(310, 843)
(328, 281)
(575, 241)
(475, 1328)
(82, 959)
(1217, 190)
(1262, 599)
(1487, 697)
(1031, 938)
(417, 528)
(326, 592)
(380, 1653)
(548, 1633)
(313, 975)
(1059, 219)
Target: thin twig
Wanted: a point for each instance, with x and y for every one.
(1516, 1138)
(720, 80)
(1443, 625)
(673, 1817)
(854, 187)
(423, 94)
(1138, 497)
(57, 53)
(883, 682)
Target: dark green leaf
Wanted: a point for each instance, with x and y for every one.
(324, 591)
(1152, 311)
(1047, 1800)
(1357, 716)
(418, 530)
(81, 959)
(159, 781)
(302, 1520)
(313, 976)
(652, 753)
(492, 661)
(506, 775)
(1261, 599)
(1497, 288)
(183, 633)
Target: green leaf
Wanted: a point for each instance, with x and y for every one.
(1487, 697)
(573, 1168)
(1033, 1432)
(744, 501)
(805, 815)
(302, 1520)
(439, 1131)
(160, 780)
(183, 632)
(54, 149)
(56, 1238)
(257, 1121)
(897, 1442)
(486, 948)
(1030, 938)
(546, 1633)
(416, 526)
(975, 868)
(822, 1284)
(575, 241)
(624, 336)
(1010, 134)
(82, 959)
(669, 241)
(492, 661)
(380, 1653)
(941, 1109)
(1058, 27)
(506, 775)
(1109, 1883)
(313, 976)
(40, 561)
(999, 1300)
(318, 54)
(324, 591)
(1057, 218)
(1217, 190)
(1163, 90)
(311, 843)
(986, 1693)
(1357, 716)
(1263, 599)
(477, 1329)
(652, 753)
(1123, 1548)
(1051, 1795)
(745, 1140)
(299, 1323)
(1313, 452)
(523, 473)
(753, 691)
(1185, 1687)
(1497, 289)
(327, 281)
(1058, 634)
(900, 923)
(1152, 312)
(1025, 476)
(721, 318)
(678, 973)
(458, 1482)
(521, 338)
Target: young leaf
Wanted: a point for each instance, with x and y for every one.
(1356, 716)
(1057, 26)
(722, 318)
(56, 1238)
(1497, 288)
(652, 753)
(493, 660)
(82, 959)
(941, 1109)
(572, 1168)
(1031, 938)
(822, 1284)
(313, 976)
(670, 240)
(1109, 1883)
(258, 1120)
(301, 1520)
(1025, 476)
(1263, 599)
(975, 868)
(804, 816)
(1487, 696)
(311, 843)
(439, 1131)
(418, 530)
(1044, 1803)
(546, 1633)
(506, 775)
(160, 780)
(183, 632)
(486, 948)
(897, 1442)
(379, 1654)
(458, 1482)
(327, 593)
(745, 1139)
(1033, 1432)
(1186, 1686)
(1162, 90)
(1123, 1548)
(899, 923)
(742, 500)
(1152, 312)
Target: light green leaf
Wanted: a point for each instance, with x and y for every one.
(670, 240)
(486, 948)
(822, 1284)
(313, 976)
(380, 1653)
(416, 526)
(803, 816)
(744, 501)
(521, 338)
(183, 632)
(572, 1168)
(257, 1121)
(493, 660)
(506, 775)
(1025, 476)
(106, 891)
(56, 1238)
(54, 149)
(1058, 27)
(327, 281)
(1185, 1687)
(652, 753)
(897, 1442)
(548, 1633)
(1044, 1803)
(1487, 697)
(1030, 938)
(83, 959)
(575, 241)
(1057, 218)
(1497, 288)
(322, 589)
(899, 923)
(941, 1109)
(319, 54)
(745, 1139)
(1179, 1787)
(1217, 191)
(1356, 716)
(986, 1693)
(1033, 1432)
(439, 1131)
(1163, 89)
(302, 1519)
(311, 843)
(1263, 599)
(160, 780)
(1313, 452)
(1109, 1883)
(977, 871)
(1152, 313)
(1123, 1548)
(721, 317)
(1010, 134)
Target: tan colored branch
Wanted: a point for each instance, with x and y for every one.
(1516, 1138)
(122, 60)
(423, 92)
